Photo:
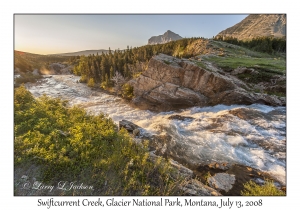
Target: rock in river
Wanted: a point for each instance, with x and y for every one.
(129, 126)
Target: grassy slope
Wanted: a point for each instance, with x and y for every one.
(54, 143)
(228, 57)
(232, 56)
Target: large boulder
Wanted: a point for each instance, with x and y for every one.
(222, 181)
(170, 83)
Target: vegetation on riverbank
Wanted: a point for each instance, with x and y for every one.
(268, 189)
(99, 70)
(226, 56)
(128, 63)
(69, 144)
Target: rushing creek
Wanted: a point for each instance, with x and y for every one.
(251, 135)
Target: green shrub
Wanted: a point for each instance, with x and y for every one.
(268, 189)
(69, 144)
(23, 99)
(91, 82)
(127, 91)
(106, 85)
(76, 70)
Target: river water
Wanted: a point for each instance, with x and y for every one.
(252, 135)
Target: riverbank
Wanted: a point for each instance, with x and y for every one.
(251, 136)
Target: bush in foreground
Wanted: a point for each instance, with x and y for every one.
(268, 189)
(69, 144)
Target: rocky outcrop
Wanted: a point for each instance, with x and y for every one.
(223, 177)
(190, 186)
(166, 37)
(170, 83)
(195, 188)
(129, 126)
(222, 181)
(56, 67)
(255, 25)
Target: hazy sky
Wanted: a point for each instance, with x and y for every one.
(48, 34)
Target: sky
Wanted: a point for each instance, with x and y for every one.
(50, 34)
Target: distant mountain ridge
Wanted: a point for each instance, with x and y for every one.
(166, 37)
(257, 25)
(84, 52)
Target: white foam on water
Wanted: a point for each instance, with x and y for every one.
(214, 109)
(278, 171)
(236, 140)
(262, 108)
(212, 135)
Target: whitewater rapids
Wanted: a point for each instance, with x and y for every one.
(251, 135)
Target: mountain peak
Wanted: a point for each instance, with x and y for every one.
(166, 37)
(257, 25)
